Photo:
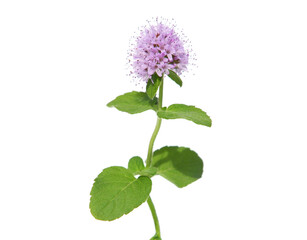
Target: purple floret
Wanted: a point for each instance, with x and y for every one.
(158, 49)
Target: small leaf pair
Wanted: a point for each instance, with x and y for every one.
(136, 166)
(155, 81)
(153, 85)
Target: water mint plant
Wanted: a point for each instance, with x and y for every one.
(159, 54)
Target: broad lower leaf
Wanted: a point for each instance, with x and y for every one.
(179, 165)
(136, 164)
(134, 102)
(175, 77)
(153, 85)
(191, 113)
(117, 192)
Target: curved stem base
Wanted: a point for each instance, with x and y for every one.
(157, 236)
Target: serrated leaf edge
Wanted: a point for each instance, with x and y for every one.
(175, 78)
(109, 220)
(165, 109)
(159, 172)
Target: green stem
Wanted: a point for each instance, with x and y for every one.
(157, 128)
(149, 162)
(155, 217)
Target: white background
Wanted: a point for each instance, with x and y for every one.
(62, 61)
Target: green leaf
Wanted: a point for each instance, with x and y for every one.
(179, 165)
(148, 172)
(191, 113)
(134, 102)
(153, 85)
(135, 165)
(175, 77)
(117, 192)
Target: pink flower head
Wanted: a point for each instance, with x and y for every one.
(158, 49)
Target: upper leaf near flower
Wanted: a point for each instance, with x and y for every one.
(134, 102)
(191, 113)
(153, 85)
(175, 77)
